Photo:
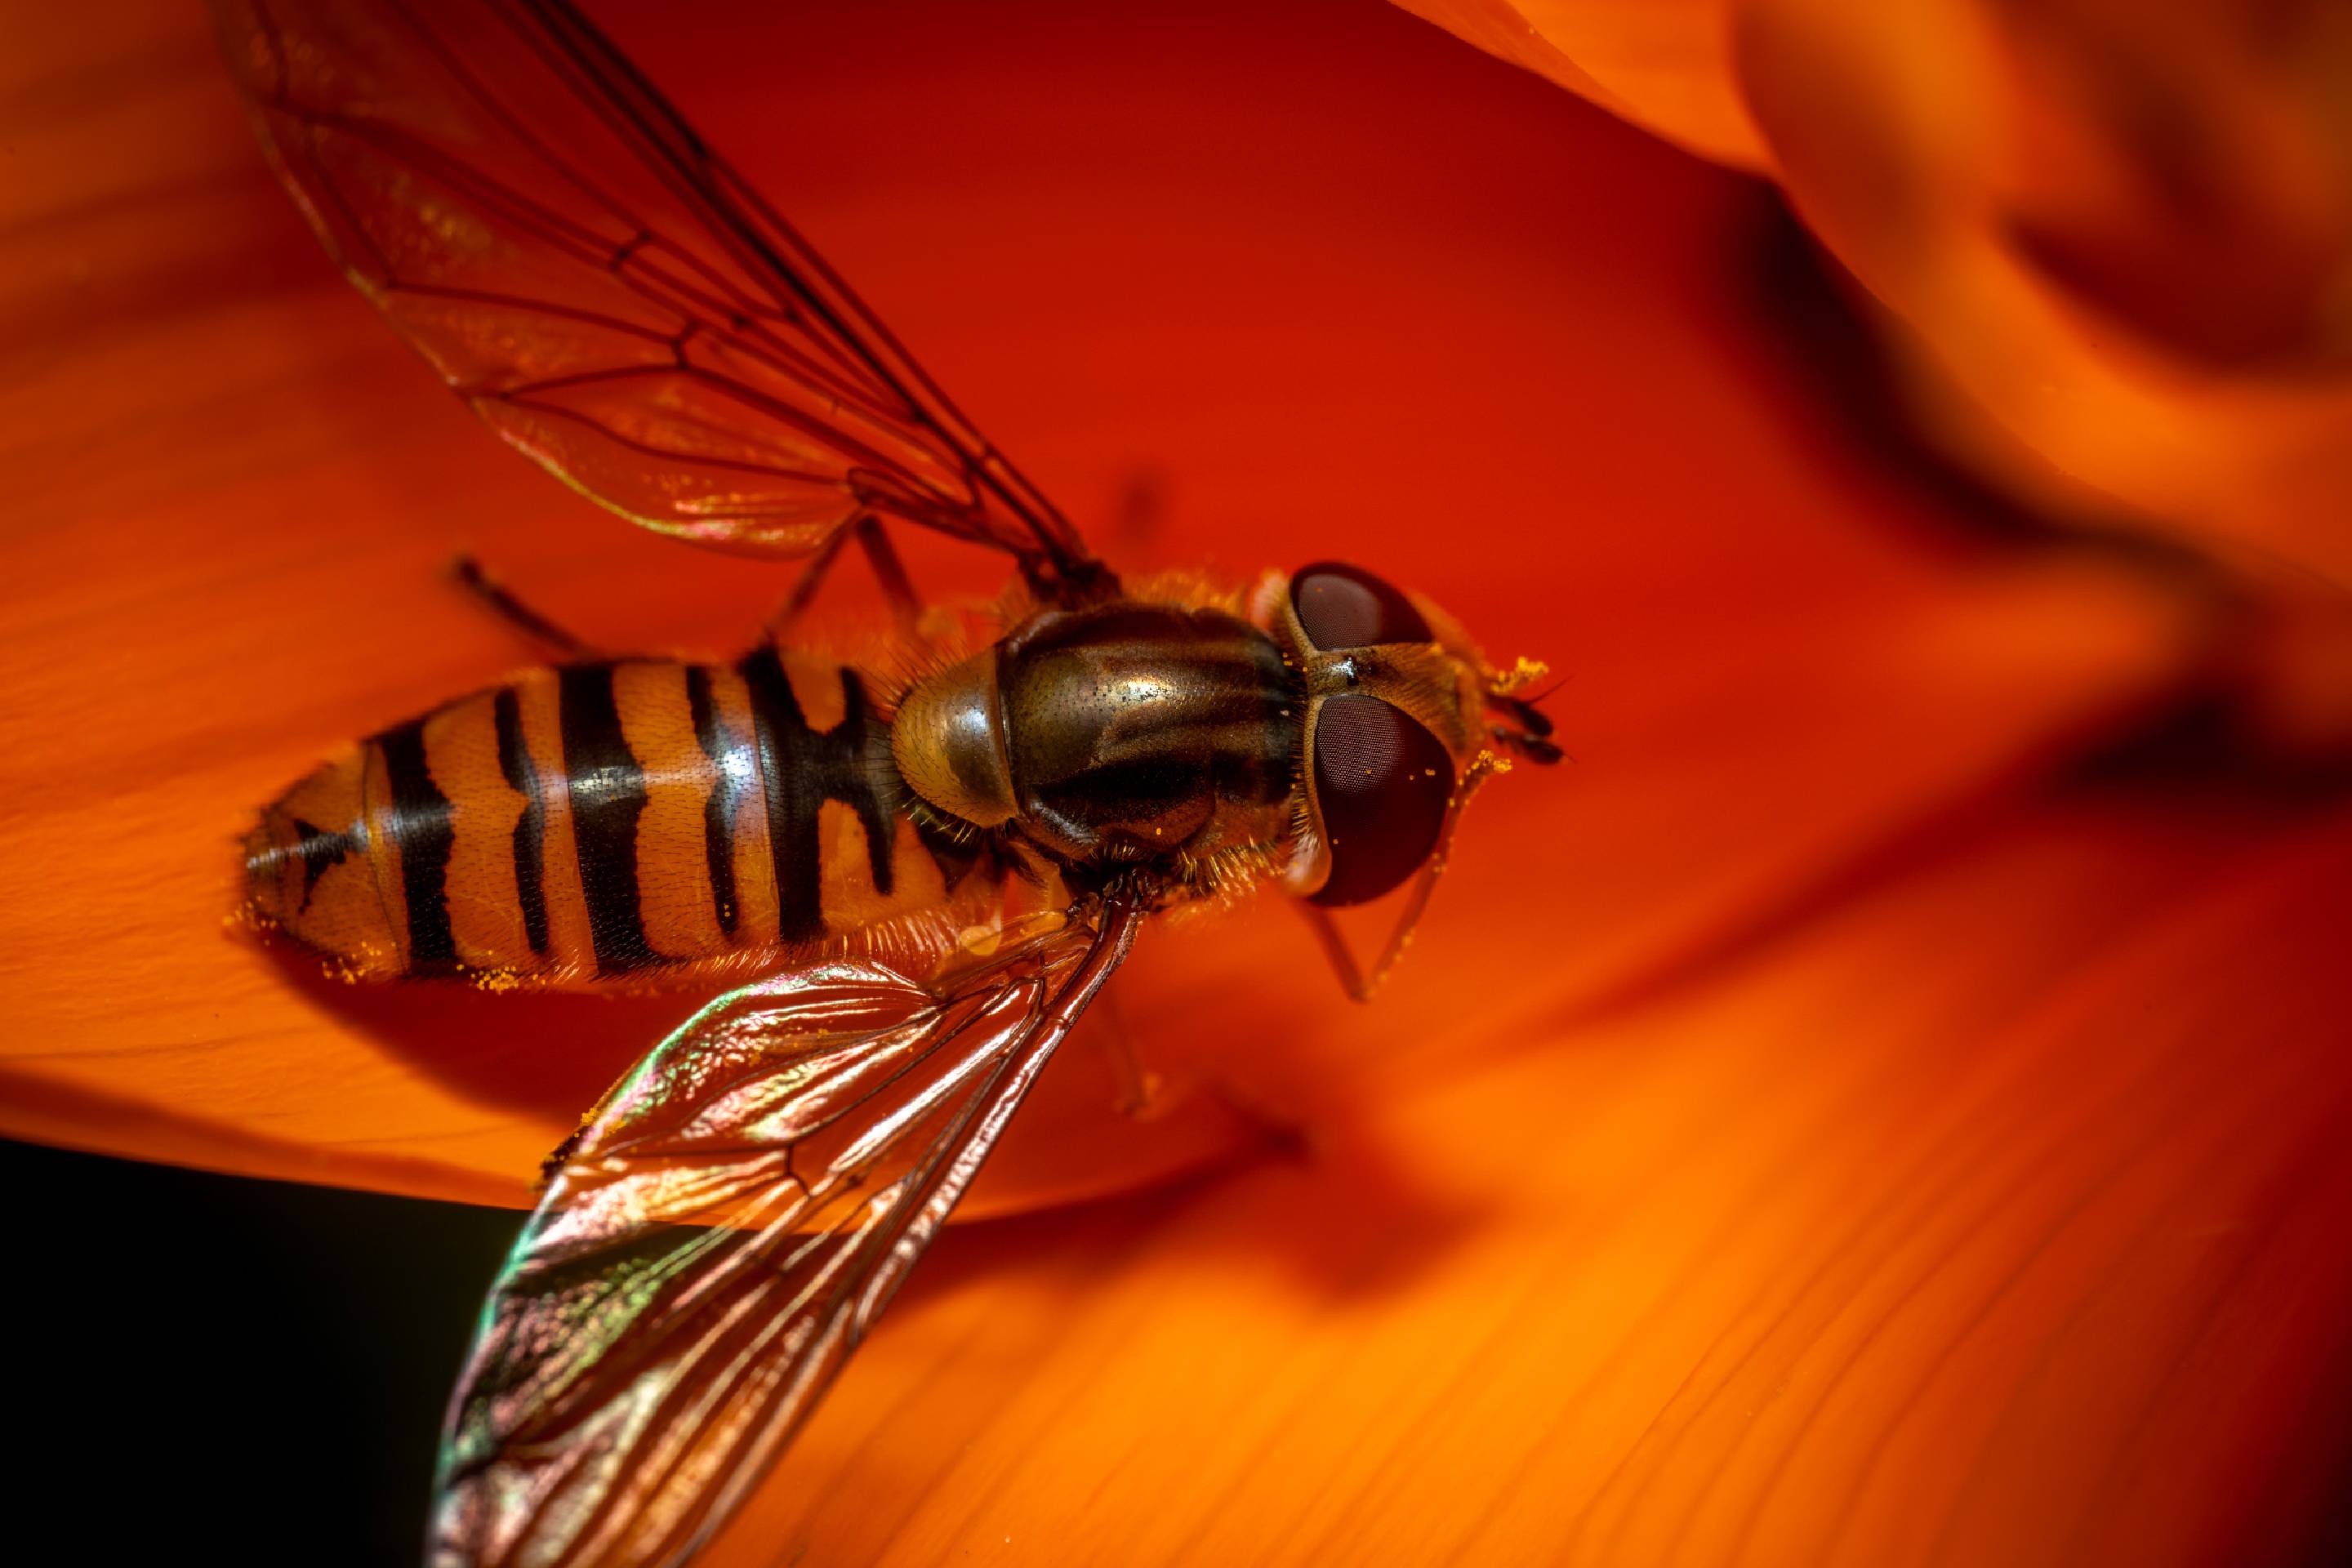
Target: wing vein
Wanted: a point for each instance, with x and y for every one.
(656, 1340)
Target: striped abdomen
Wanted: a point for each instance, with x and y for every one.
(599, 822)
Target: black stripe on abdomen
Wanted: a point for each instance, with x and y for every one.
(321, 851)
(725, 794)
(608, 796)
(530, 828)
(802, 769)
(423, 836)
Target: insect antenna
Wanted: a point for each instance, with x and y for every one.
(1534, 747)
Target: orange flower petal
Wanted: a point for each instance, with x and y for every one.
(1808, 1127)
(1664, 67)
(234, 494)
(2112, 248)
(1993, 1216)
(2116, 247)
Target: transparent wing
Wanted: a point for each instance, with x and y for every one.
(601, 288)
(720, 1235)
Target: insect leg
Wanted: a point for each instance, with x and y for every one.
(805, 588)
(1204, 1105)
(1140, 1091)
(1148, 1096)
(1139, 517)
(1353, 979)
(1357, 983)
(1334, 942)
(897, 586)
(552, 638)
(905, 602)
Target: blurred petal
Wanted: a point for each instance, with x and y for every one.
(2111, 245)
(1665, 65)
(2116, 244)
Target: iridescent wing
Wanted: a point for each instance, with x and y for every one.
(719, 1236)
(604, 289)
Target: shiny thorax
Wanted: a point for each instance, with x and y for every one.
(1123, 733)
(595, 823)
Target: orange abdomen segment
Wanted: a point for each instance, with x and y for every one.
(602, 821)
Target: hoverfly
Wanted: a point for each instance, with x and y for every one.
(925, 880)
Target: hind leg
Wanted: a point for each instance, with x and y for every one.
(896, 587)
(550, 637)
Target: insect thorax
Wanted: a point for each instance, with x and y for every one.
(1128, 733)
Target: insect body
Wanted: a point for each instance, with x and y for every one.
(641, 819)
(924, 879)
(613, 821)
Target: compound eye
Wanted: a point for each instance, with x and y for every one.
(1341, 605)
(1382, 783)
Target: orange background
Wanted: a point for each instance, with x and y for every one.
(1881, 1102)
